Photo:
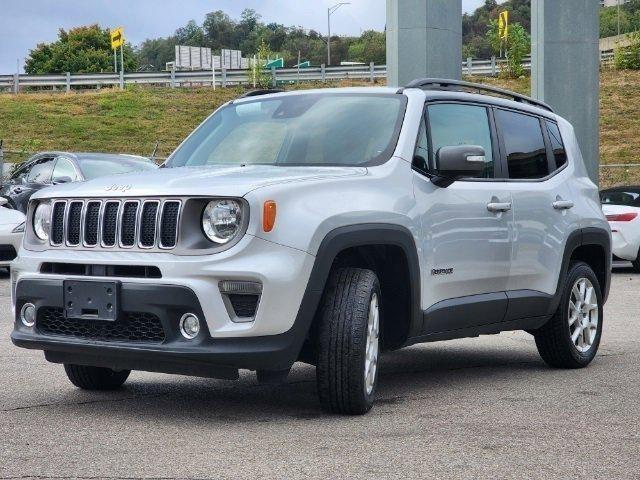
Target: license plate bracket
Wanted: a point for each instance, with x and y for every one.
(88, 300)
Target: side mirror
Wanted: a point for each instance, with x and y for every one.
(461, 161)
(60, 180)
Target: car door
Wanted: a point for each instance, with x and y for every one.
(467, 227)
(536, 165)
(39, 176)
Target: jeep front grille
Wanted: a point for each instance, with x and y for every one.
(128, 223)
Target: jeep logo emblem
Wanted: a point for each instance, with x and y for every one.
(118, 188)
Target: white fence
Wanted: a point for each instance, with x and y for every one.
(223, 78)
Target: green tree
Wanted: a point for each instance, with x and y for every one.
(191, 35)
(261, 75)
(370, 47)
(517, 46)
(84, 49)
(154, 54)
(628, 58)
(218, 30)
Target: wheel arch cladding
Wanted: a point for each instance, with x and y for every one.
(592, 246)
(390, 251)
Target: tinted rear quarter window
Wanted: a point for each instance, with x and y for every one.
(557, 145)
(524, 145)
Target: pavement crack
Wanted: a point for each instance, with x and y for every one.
(85, 402)
(101, 477)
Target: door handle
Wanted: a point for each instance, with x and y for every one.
(563, 204)
(498, 207)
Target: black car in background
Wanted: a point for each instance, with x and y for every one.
(52, 168)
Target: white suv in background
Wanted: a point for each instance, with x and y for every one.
(322, 226)
(621, 205)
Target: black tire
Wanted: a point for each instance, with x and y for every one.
(554, 341)
(96, 378)
(636, 264)
(342, 340)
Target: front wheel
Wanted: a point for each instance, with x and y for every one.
(96, 378)
(349, 342)
(572, 337)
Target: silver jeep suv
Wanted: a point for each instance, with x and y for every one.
(322, 226)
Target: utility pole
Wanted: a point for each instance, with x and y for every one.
(331, 11)
(618, 2)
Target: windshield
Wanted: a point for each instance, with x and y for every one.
(308, 129)
(100, 168)
(626, 198)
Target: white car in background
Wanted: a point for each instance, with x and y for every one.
(621, 205)
(11, 232)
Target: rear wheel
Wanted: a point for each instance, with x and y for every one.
(96, 378)
(349, 342)
(572, 337)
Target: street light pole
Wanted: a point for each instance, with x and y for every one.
(331, 11)
(618, 2)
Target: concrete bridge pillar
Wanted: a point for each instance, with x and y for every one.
(566, 67)
(424, 39)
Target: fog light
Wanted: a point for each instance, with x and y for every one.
(28, 315)
(189, 326)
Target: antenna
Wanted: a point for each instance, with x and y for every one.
(155, 150)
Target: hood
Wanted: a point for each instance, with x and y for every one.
(11, 217)
(224, 181)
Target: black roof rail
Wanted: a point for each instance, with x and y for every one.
(458, 85)
(257, 93)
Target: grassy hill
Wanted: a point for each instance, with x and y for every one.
(133, 120)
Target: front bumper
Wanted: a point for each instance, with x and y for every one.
(203, 356)
(283, 272)
(8, 239)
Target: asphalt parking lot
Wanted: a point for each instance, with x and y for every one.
(475, 408)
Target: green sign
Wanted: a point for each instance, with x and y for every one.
(277, 63)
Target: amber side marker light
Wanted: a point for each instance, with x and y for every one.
(269, 215)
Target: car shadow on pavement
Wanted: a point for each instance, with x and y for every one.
(405, 375)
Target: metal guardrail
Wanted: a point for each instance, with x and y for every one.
(224, 78)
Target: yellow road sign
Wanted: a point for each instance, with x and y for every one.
(117, 37)
(503, 24)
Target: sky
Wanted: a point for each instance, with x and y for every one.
(26, 23)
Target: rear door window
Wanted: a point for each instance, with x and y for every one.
(524, 145)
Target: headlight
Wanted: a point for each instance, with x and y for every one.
(222, 220)
(19, 228)
(42, 221)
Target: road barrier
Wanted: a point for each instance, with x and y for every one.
(224, 78)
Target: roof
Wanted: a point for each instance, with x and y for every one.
(522, 103)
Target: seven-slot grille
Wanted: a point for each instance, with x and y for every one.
(126, 223)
